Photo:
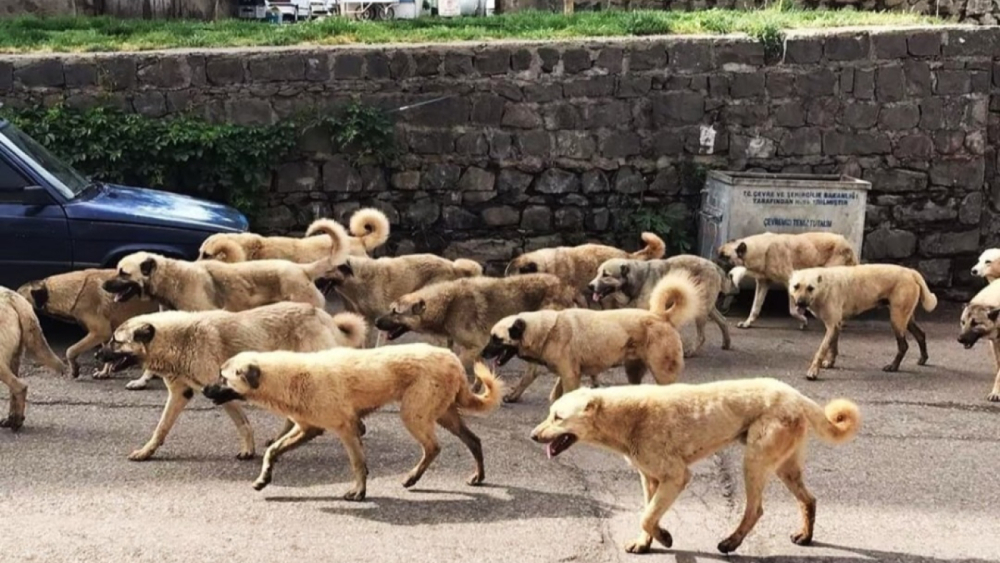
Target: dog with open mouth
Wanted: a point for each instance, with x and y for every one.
(663, 430)
(635, 280)
(979, 320)
(333, 390)
(574, 343)
(187, 349)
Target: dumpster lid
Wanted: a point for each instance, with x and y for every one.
(765, 179)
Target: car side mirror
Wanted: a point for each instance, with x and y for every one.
(35, 196)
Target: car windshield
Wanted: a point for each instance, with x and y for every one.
(63, 176)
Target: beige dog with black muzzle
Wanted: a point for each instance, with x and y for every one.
(187, 349)
(979, 320)
(335, 389)
(661, 430)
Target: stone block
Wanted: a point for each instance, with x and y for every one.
(890, 84)
(224, 70)
(747, 85)
(914, 147)
(561, 116)
(634, 86)
(549, 58)
(493, 60)
(926, 212)
(594, 181)
(482, 250)
(273, 68)
(673, 108)
(512, 184)
(536, 219)
(457, 218)
(847, 47)
(629, 181)
(803, 49)
(898, 117)
(861, 115)
(377, 66)
(472, 143)
(408, 180)
(476, 179)
(949, 244)
(340, 176)
(521, 116)
(422, 212)
(458, 64)
(649, 57)
(570, 219)
(936, 273)
(621, 144)
(438, 177)
(690, 56)
(818, 82)
(521, 60)
(896, 180)
(592, 87)
(837, 143)
(556, 181)
(886, 243)
(501, 216)
(117, 73)
(889, 45)
(950, 82)
(348, 67)
(780, 84)
(610, 59)
(801, 142)
(77, 74)
(576, 61)
(426, 64)
(431, 142)
(961, 172)
(739, 51)
(541, 93)
(924, 44)
(487, 109)
(970, 211)
(575, 144)
(533, 143)
(45, 73)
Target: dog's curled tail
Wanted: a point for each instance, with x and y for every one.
(927, 299)
(224, 248)
(467, 268)
(654, 250)
(677, 297)
(31, 334)
(371, 226)
(338, 246)
(489, 400)
(838, 422)
(353, 327)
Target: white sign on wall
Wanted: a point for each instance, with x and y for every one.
(449, 8)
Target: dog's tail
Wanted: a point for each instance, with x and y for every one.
(353, 327)
(226, 250)
(654, 250)
(338, 247)
(489, 400)
(677, 297)
(838, 422)
(927, 299)
(467, 268)
(32, 337)
(371, 226)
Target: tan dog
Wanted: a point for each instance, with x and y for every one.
(771, 258)
(369, 286)
(369, 230)
(20, 333)
(979, 320)
(988, 265)
(575, 265)
(841, 292)
(634, 281)
(78, 297)
(576, 342)
(187, 349)
(333, 390)
(663, 430)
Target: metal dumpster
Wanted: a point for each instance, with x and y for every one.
(739, 204)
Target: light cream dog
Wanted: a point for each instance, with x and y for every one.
(369, 230)
(663, 430)
(979, 320)
(333, 390)
(634, 281)
(770, 258)
(841, 292)
(20, 333)
(77, 297)
(988, 265)
(577, 342)
(575, 265)
(187, 349)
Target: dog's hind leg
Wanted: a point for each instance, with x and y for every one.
(921, 339)
(899, 321)
(661, 492)
(356, 454)
(89, 341)
(720, 320)
(18, 397)
(415, 420)
(286, 443)
(790, 473)
(243, 429)
(179, 396)
(522, 385)
(758, 303)
(699, 326)
(452, 422)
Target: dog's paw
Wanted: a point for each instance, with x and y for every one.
(803, 326)
(729, 545)
(12, 422)
(922, 361)
(140, 455)
(511, 398)
(410, 481)
(100, 374)
(637, 547)
(243, 456)
(890, 368)
(744, 324)
(73, 371)
(664, 537)
(355, 496)
(135, 385)
(993, 397)
(812, 374)
(802, 539)
(476, 479)
(827, 364)
(259, 484)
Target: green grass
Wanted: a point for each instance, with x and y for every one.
(28, 34)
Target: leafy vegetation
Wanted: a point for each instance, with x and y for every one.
(30, 34)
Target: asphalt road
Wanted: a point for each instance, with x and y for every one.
(921, 483)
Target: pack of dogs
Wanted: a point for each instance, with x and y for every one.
(246, 322)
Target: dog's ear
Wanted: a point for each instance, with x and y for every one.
(252, 375)
(419, 307)
(144, 334)
(40, 295)
(148, 266)
(516, 331)
(346, 269)
(741, 250)
(529, 268)
(625, 269)
(593, 406)
(993, 314)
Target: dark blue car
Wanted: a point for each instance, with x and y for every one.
(53, 219)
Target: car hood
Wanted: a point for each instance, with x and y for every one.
(121, 204)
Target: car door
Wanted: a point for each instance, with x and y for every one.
(34, 232)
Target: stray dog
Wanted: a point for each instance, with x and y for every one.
(663, 430)
(369, 286)
(77, 297)
(333, 390)
(576, 342)
(575, 265)
(369, 230)
(20, 332)
(635, 280)
(840, 292)
(988, 265)
(770, 258)
(187, 349)
(979, 320)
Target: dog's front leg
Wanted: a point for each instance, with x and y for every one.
(661, 493)
(994, 395)
(179, 395)
(352, 443)
(293, 439)
(91, 340)
(522, 385)
(831, 353)
(995, 346)
(831, 331)
(758, 303)
(793, 310)
(243, 429)
(141, 382)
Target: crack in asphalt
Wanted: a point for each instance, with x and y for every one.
(947, 405)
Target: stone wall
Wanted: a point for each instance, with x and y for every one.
(548, 143)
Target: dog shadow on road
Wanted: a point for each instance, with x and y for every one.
(505, 503)
(852, 555)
